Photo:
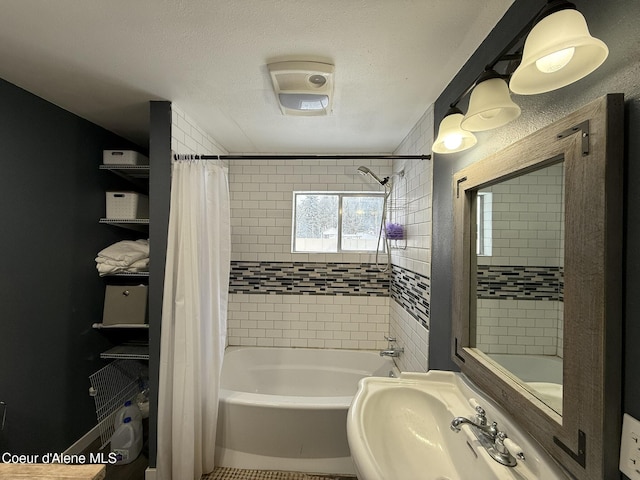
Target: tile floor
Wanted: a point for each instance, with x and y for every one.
(223, 473)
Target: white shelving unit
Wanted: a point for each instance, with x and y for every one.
(138, 175)
(127, 352)
(99, 326)
(122, 378)
(130, 172)
(138, 224)
(128, 274)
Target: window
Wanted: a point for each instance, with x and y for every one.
(484, 225)
(336, 221)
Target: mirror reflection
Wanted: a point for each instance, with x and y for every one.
(519, 279)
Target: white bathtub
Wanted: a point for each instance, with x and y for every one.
(286, 408)
(542, 373)
(532, 368)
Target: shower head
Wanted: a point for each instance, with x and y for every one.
(365, 171)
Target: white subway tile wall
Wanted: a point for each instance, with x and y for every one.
(314, 321)
(261, 203)
(412, 336)
(413, 189)
(520, 327)
(261, 221)
(527, 236)
(527, 226)
(188, 138)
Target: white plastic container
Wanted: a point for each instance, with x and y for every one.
(142, 399)
(130, 410)
(127, 205)
(123, 157)
(126, 442)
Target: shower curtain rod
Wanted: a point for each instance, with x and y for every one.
(305, 157)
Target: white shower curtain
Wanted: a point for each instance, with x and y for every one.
(194, 319)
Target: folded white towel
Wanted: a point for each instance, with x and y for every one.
(125, 252)
(139, 266)
(143, 262)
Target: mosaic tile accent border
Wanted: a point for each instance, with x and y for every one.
(308, 278)
(411, 290)
(520, 282)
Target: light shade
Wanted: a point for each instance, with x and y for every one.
(490, 105)
(558, 51)
(451, 138)
(303, 101)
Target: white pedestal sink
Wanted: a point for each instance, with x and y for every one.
(399, 429)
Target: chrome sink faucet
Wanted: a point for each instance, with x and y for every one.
(489, 437)
(392, 350)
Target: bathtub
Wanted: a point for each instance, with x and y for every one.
(542, 373)
(532, 368)
(286, 408)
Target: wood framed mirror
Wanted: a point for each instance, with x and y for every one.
(538, 277)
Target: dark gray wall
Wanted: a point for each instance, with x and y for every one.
(50, 294)
(616, 23)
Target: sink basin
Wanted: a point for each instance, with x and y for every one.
(398, 428)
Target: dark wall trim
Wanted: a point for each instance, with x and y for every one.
(159, 199)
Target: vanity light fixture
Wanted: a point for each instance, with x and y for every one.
(490, 105)
(451, 137)
(558, 51)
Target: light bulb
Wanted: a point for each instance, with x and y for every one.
(555, 61)
(451, 142)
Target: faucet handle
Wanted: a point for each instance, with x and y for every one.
(506, 446)
(499, 443)
(481, 416)
(390, 339)
(513, 448)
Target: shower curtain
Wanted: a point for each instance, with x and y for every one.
(194, 317)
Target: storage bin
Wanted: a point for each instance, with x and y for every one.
(123, 157)
(127, 205)
(125, 304)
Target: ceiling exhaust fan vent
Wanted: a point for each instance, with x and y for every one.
(303, 88)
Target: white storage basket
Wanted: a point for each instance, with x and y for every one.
(123, 157)
(127, 205)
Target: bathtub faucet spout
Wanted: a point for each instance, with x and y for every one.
(392, 352)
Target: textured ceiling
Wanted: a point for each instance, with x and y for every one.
(104, 60)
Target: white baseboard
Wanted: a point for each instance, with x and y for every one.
(82, 444)
(150, 474)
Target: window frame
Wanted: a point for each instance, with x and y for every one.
(484, 224)
(340, 195)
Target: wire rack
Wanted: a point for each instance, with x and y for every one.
(111, 386)
(397, 210)
(127, 352)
